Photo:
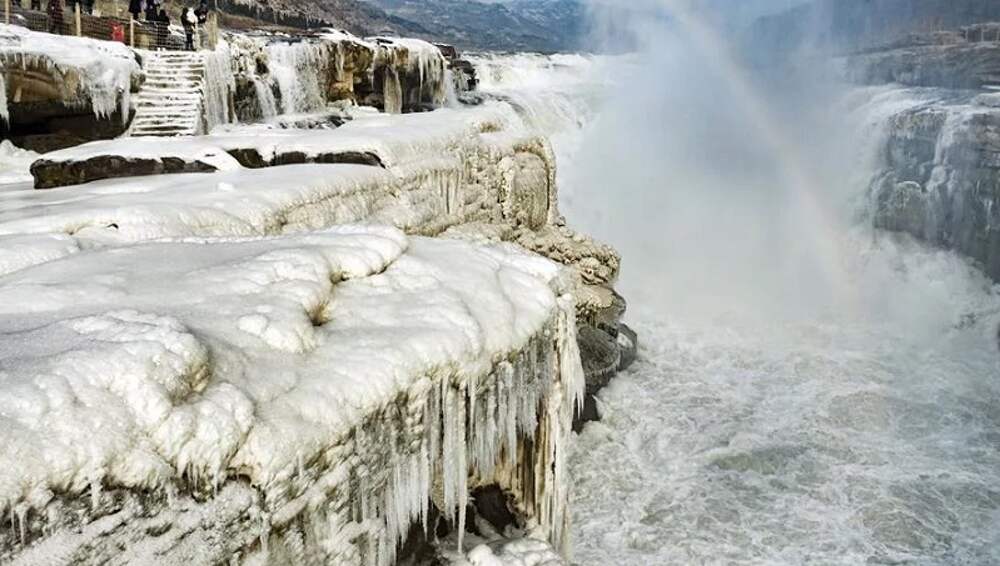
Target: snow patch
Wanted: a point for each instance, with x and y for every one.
(15, 163)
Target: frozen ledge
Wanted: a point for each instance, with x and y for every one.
(387, 141)
(311, 396)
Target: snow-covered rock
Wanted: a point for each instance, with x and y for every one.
(47, 76)
(77, 70)
(470, 173)
(321, 383)
(15, 164)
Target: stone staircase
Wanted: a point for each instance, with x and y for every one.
(170, 101)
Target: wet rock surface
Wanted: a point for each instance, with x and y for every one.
(941, 181)
(959, 65)
(50, 174)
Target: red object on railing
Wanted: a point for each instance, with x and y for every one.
(117, 32)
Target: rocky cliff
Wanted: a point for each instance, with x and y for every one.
(940, 164)
(56, 92)
(516, 25)
(941, 180)
(850, 25)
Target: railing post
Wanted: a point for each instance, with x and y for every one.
(6, 11)
(79, 28)
(131, 31)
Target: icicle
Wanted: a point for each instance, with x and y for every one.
(4, 112)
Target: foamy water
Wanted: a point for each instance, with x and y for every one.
(767, 420)
(829, 442)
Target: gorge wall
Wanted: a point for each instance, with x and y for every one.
(940, 177)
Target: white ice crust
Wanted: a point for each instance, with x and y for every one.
(395, 139)
(14, 163)
(105, 68)
(200, 359)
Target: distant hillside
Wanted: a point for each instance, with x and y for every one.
(856, 24)
(361, 18)
(513, 25)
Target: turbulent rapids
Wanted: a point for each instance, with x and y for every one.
(842, 414)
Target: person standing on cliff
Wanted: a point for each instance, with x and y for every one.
(188, 20)
(162, 28)
(55, 11)
(202, 12)
(135, 8)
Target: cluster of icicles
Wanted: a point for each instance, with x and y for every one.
(218, 83)
(509, 427)
(297, 68)
(300, 69)
(107, 91)
(428, 65)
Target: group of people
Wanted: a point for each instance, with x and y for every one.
(155, 12)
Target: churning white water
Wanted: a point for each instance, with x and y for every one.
(794, 403)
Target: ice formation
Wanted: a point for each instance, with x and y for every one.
(4, 112)
(295, 68)
(522, 552)
(350, 376)
(219, 83)
(99, 72)
(417, 59)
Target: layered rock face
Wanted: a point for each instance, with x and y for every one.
(964, 59)
(850, 25)
(941, 180)
(270, 386)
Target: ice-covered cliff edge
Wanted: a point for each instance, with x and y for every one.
(330, 385)
(212, 332)
(937, 152)
(940, 176)
(66, 83)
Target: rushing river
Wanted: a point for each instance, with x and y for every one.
(809, 391)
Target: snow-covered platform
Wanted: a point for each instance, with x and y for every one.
(321, 388)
